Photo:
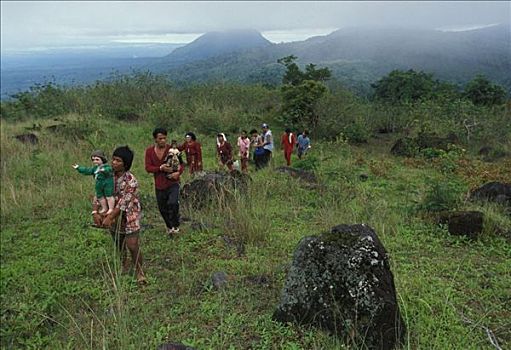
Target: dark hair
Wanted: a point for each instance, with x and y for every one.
(220, 135)
(244, 131)
(306, 132)
(192, 135)
(126, 154)
(159, 131)
(288, 130)
(253, 131)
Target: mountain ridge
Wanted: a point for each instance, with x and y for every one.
(370, 52)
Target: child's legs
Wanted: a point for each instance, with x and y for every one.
(108, 192)
(111, 204)
(100, 195)
(103, 203)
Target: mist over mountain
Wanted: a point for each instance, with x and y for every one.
(356, 56)
(218, 43)
(359, 56)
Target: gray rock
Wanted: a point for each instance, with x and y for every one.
(341, 281)
(210, 186)
(219, 280)
(465, 223)
(493, 191)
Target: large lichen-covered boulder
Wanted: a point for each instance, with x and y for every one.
(341, 281)
(213, 186)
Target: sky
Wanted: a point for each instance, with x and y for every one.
(31, 25)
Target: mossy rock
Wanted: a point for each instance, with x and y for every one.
(207, 187)
(341, 281)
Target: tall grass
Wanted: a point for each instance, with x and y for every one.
(61, 283)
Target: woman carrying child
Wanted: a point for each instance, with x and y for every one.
(124, 220)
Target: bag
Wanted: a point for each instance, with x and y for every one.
(259, 151)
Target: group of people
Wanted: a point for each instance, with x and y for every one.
(116, 204)
(263, 147)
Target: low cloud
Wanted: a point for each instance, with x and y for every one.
(32, 23)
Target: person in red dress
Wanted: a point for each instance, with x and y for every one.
(193, 151)
(224, 152)
(288, 142)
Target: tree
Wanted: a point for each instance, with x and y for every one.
(482, 92)
(400, 86)
(301, 90)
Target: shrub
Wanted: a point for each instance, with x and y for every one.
(443, 195)
(310, 163)
(483, 92)
(357, 132)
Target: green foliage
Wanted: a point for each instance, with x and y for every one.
(41, 101)
(299, 103)
(309, 162)
(301, 91)
(294, 76)
(443, 195)
(410, 86)
(357, 132)
(446, 159)
(483, 92)
(230, 107)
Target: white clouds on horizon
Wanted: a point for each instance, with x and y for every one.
(275, 36)
(28, 24)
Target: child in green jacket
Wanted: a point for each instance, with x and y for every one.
(103, 174)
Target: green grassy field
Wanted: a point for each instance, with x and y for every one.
(62, 289)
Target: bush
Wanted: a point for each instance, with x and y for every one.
(357, 132)
(310, 163)
(483, 92)
(443, 195)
